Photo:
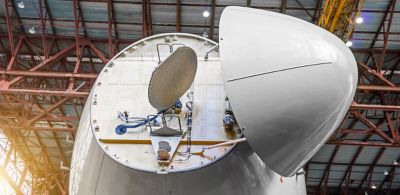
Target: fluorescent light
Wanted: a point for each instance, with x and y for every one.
(206, 14)
(21, 5)
(349, 43)
(359, 20)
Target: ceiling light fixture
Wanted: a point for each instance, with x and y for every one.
(206, 14)
(386, 172)
(359, 20)
(395, 163)
(32, 30)
(349, 43)
(373, 186)
(21, 5)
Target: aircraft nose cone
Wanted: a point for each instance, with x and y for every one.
(290, 83)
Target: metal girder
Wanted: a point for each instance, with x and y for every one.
(317, 12)
(45, 92)
(44, 66)
(372, 166)
(381, 26)
(99, 53)
(66, 80)
(248, 3)
(15, 52)
(178, 15)
(302, 6)
(356, 106)
(212, 20)
(43, 29)
(10, 181)
(111, 16)
(147, 22)
(382, 88)
(47, 62)
(283, 6)
(366, 143)
(50, 74)
(38, 128)
(325, 176)
(9, 26)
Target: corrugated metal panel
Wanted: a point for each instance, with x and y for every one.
(367, 155)
(324, 154)
(345, 154)
(129, 18)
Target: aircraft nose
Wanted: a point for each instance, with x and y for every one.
(290, 83)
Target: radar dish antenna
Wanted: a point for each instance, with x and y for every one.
(172, 78)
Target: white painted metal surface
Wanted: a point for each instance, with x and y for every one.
(123, 86)
(290, 83)
(100, 168)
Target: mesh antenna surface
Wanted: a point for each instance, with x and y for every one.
(172, 78)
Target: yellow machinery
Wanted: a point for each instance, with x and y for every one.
(338, 16)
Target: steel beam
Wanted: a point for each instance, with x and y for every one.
(381, 25)
(47, 62)
(382, 88)
(50, 74)
(178, 15)
(365, 143)
(38, 128)
(356, 106)
(372, 166)
(45, 92)
(110, 14)
(9, 26)
(43, 29)
(212, 20)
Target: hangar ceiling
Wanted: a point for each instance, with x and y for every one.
(52, 51)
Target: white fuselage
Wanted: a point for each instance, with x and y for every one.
(99, 168)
